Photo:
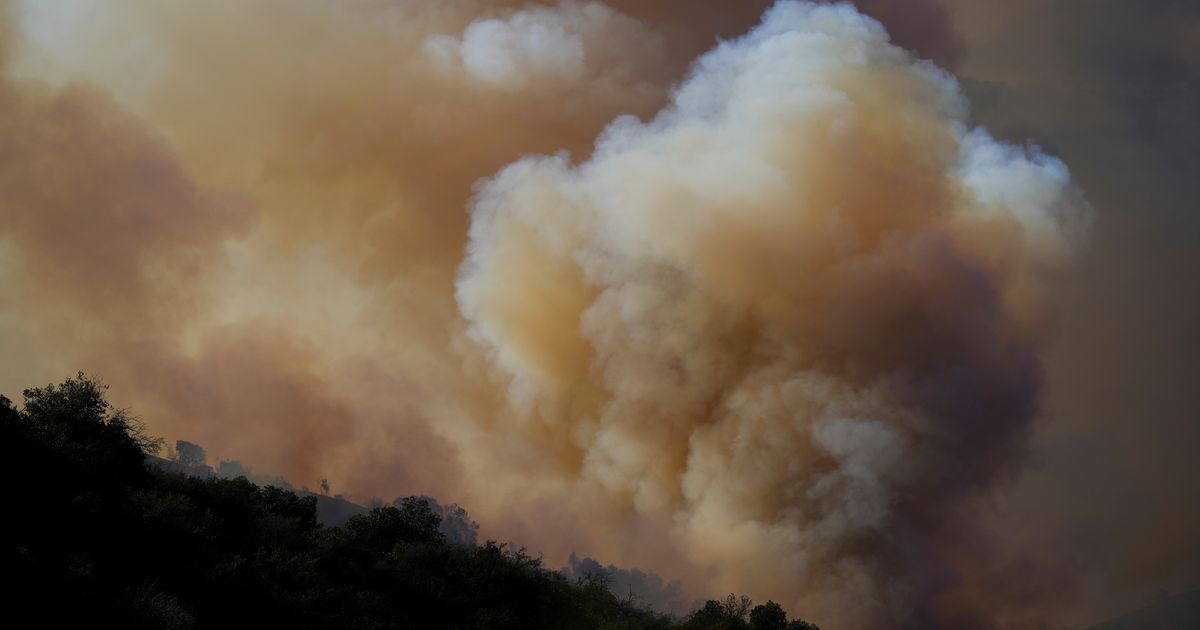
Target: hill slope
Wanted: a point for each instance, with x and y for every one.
(97, 537)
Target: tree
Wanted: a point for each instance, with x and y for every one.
(411, 520)
(190, 454)
(768, 616)
(75, 419)
(737, 607)
(728, 614)
(456, 525)
(420, 520)
(771, 616)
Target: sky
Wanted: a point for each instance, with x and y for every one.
(885, 312)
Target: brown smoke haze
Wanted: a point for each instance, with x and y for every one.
(1112, 87)
(735, 292)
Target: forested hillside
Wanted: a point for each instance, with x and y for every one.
(93, 536)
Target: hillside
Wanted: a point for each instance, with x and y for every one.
(98, 537)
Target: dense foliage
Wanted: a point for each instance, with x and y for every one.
(95, 537)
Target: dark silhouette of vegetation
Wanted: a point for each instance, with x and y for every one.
(189, 454)
(739, 613)
(641, 587)
(94, 537)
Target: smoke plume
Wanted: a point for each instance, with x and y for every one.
(799, 309)
(765, 321)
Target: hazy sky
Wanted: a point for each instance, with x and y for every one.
(892, 319)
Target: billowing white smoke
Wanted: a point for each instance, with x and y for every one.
(799, 310)
(542, 47)
(789, 327)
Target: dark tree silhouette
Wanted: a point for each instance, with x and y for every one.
(771, 616)
(768, 616)
(190, 454)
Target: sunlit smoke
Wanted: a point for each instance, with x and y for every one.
(773, 339)
(800, 309)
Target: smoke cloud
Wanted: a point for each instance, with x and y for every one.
(800, 309)
(1110, 86)
(766, 321)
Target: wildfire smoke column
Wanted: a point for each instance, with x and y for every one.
(800, 310)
